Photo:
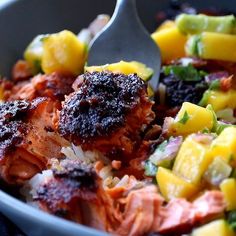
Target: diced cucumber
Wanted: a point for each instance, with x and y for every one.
(217, 171)
(34, 52)
(194, 24)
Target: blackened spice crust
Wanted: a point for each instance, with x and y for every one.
(11, 135)
(14, 110)
(83, 175)
(12, 123)
(100, 105)
(12, 129)
(72, 181)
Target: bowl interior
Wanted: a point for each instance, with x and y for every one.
(20, 21)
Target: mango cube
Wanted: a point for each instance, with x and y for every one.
(228, 187)
(192, 159)
(216, 228)
(224, 146)
(63, 52)
(221, 100)
(167, 40)
(172, 186)
(191, 119)
(144, 72)
(211, 45)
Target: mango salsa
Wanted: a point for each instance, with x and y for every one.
(171, 43)
(217, 171)
(190, 119)
(144, 72)
(224, 146)
(173, 186)
(221, 100)
(195, 24)
(216, 228)
(63, 52)
(228, 187)
(209, 45)
(192, 159)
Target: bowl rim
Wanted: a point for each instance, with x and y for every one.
(7, 4)
(42, 217)
(37, 215)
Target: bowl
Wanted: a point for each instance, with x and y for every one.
(20, 21)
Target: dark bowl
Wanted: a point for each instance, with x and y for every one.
(20, 21)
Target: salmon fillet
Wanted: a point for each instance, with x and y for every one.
(28, 139)
(107, 112)
(54, 86)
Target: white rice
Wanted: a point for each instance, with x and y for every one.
(43, 177)
(30, 187)
(110, 182)
(73, 153)
(105, 172)
(76, 152)
(91, 157)
(124, 181)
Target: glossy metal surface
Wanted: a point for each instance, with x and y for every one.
(125, 38)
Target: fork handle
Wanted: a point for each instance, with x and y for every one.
(125, 9)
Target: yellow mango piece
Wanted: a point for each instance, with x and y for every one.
(167, 24)
(209, 45)
(221, 100)
(124, 67)
(191, 119)
(172, 186)
(216, 228)
(192, 159)
(171, 43)
(228, 188)
(63, 52)
(224, 146)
